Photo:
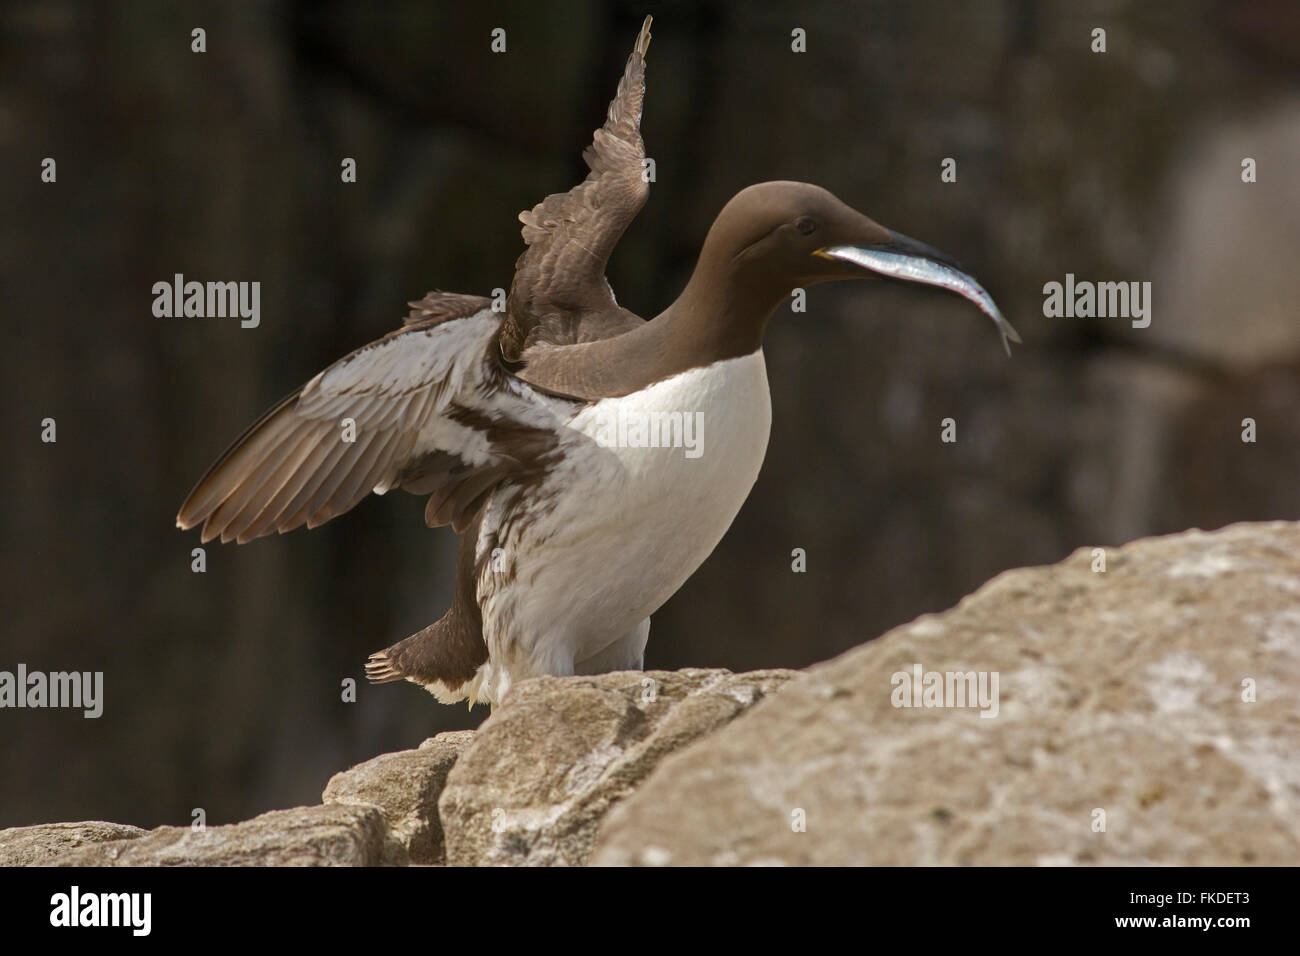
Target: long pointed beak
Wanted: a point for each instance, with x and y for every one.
(912, 261)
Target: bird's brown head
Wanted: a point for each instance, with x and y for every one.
(774, 237)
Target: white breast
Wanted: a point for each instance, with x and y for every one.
(631, 521)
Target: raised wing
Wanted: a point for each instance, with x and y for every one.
(426, 408)
(559, 295)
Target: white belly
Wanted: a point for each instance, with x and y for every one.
(630, 521)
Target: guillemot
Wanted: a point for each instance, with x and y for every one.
(569, 540)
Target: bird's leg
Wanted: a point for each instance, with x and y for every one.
(413, 657)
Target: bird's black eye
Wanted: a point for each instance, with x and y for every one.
(806, 225)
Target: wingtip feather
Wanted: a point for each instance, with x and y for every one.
(643, 38)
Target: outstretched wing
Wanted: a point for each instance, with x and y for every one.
(426, 408)
(559, 295)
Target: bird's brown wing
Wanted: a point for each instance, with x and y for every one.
(559, 295)
(426, 408)
(437, 307)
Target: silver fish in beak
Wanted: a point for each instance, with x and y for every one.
(913, 261)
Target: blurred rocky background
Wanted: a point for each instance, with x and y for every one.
(222, 689)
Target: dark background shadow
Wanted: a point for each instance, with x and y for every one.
(223, 688)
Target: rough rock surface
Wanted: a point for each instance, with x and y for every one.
(1124, 692)
(406, 786)
(335, 835)
(1147, 713)
(36, 846)
(541, 774)
(381, 812)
